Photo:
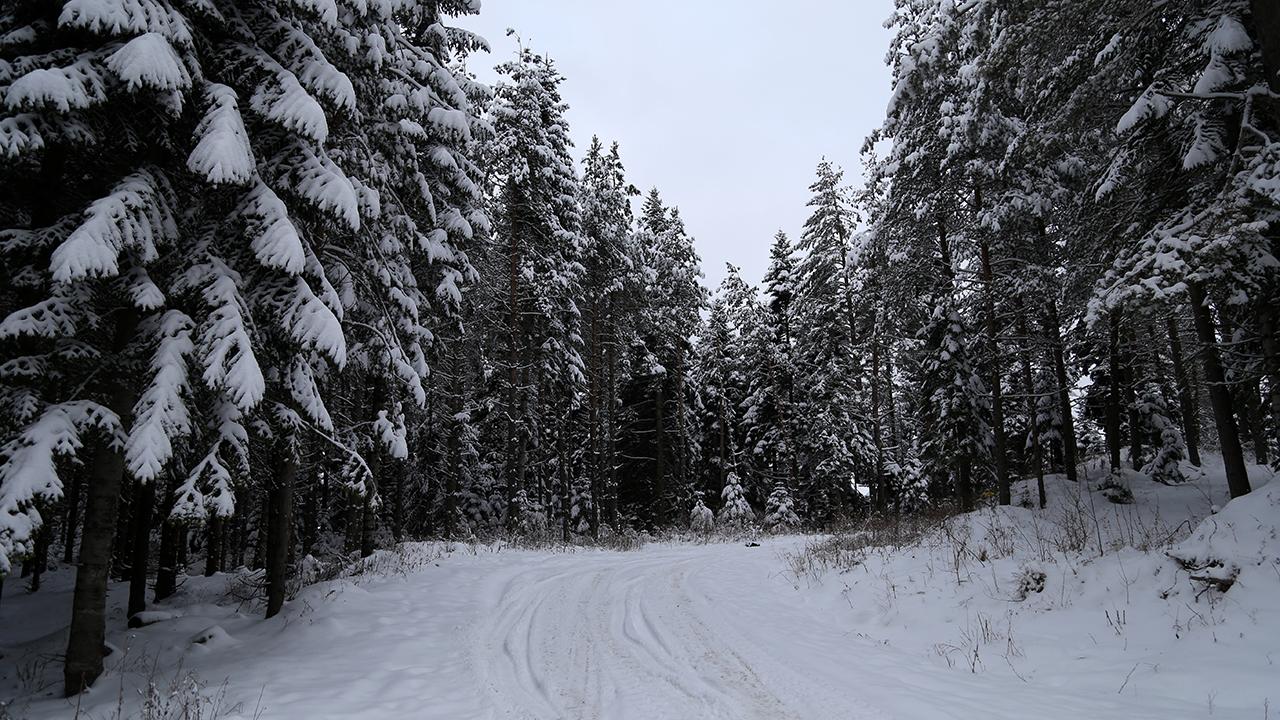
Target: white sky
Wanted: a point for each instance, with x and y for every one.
(725, 105)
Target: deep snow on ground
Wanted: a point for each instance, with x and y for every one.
(1004, 613)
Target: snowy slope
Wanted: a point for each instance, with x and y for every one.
(938, 630)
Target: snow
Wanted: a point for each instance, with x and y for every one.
(29, 468)
(223, 153)
(134, 215)
(1150, 105)
(77, 87)
(1007, 612)
(149, 61)
(161, 415)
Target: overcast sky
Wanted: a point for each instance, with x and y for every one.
(725, 105)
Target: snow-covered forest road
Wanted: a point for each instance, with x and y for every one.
(716, 631)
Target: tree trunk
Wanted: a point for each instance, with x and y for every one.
(1113, 392)
(366, 524)
(167, 561)
(88, 606)
(1053, 329)
(1129, 398)
(1028, 382)
(660, 469)
(1271, 358)
(611, 438)
(593, 423)
(1266, 23)
(88, 615)
(1186, 394)
(71, 522)
(40, 558)
(280, 513)
(1219, 394)
(964, 484)
(214, 531)
(997, 397)
(881, 485)
(144, 501)
(1250, 390)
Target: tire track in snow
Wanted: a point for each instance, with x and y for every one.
(614, 636)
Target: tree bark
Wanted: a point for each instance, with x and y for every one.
(1112, 429)
(167, 561)
(997, 396)
(71, 522)
(280, 496)
(1186, 394)
(1129, 398)
(660, 469)
(214, 543)
(144, 495)
(881, 486)
(88, 605)
(1028, 381)
(964, 484)
(1266, 23)
(1219, 394)
(1053, 329)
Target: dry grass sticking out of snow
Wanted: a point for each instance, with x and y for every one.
(1166, 596)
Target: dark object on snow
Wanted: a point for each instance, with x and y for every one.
(1113, 491)
(753, 544)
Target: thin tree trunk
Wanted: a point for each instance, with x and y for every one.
(1053, 329)
(997, 397)
(1266, 23)
(1250, 390)
(660, 470)
(214, 531)
(1129, 395)
(1271, 357)
(40, 559)
(1113, 392)
(964, 484)
(280, 511)
(144, 500)
(1028, 382)
(167, 561)
(1219, 394)
(71, 522)
(611, 438)
(593, 423)
(88, 605)
(882, 495)
(1186, 394)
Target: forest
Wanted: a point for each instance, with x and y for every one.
(283, 284)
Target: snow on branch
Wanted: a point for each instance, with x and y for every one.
(223, 153)
(149, 61)
(28, 468)
(135, 215)
(161, 415)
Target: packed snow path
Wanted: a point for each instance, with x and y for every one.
(681, 632)
(718, 631)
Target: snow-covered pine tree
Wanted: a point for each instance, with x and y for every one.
(735, 511)
(209, 246)
(779, 513)
(1168, 448)
(535, 274)
(835, 445)
(662, 429)
(608, 322)
(769, 411)
(701, 519)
